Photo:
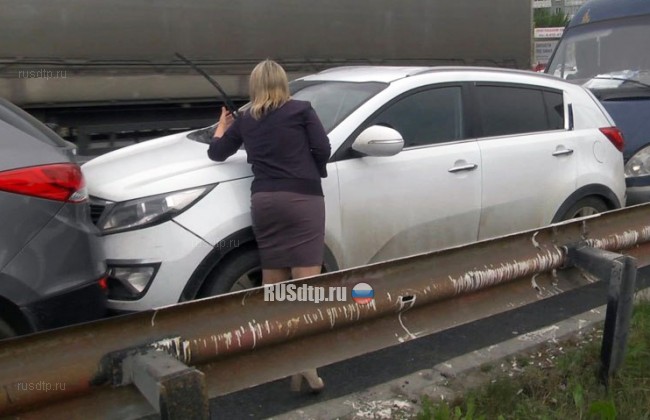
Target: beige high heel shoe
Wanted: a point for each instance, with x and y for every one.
(314, 381)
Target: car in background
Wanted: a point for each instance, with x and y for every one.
(603, 48)
(424, 158)
(52, 265)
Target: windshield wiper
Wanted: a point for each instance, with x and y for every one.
(230, 105)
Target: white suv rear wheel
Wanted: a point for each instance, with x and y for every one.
(585, 207)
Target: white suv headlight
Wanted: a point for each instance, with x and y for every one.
(639, 164)
(147, 211)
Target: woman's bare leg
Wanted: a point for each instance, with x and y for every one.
(275, 275)
(310, 375)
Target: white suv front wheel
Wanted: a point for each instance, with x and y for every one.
(238, 271)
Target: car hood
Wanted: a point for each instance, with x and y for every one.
(158, 166)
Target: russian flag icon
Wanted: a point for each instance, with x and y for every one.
(362, 293)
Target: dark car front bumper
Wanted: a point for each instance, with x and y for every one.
(638, 190)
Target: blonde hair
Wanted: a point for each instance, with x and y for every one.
(268, 88)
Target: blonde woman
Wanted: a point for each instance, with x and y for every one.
(288, 150)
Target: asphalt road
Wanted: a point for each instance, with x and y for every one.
(362, 372)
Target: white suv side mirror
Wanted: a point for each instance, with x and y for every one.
(378, 140)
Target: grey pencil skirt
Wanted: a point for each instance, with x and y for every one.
(289, 228)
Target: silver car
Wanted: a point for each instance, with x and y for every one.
(52, 266)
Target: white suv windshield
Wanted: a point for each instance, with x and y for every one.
(333, 101)
(605, 55)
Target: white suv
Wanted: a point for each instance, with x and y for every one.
(423, 158)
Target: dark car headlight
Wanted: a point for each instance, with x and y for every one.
(639, 164)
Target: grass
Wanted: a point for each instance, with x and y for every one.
(564, 386)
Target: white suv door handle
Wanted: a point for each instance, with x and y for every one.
(562, 152)
(468, 167)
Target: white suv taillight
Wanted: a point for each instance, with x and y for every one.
(59, 182)
(615, 136)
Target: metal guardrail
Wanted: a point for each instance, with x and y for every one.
(236, 341)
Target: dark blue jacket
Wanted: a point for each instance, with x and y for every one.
(287, 148)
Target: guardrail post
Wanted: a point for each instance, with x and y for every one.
(620, 272)
(175, 390)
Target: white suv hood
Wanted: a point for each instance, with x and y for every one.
(157, 166)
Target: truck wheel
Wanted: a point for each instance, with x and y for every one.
(6, 331)
(585, 207)
(237, 272)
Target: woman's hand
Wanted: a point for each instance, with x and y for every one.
(225, 121)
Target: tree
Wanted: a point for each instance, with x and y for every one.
(545, 19)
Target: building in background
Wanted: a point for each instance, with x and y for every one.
(569, 7)
(546, 37)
